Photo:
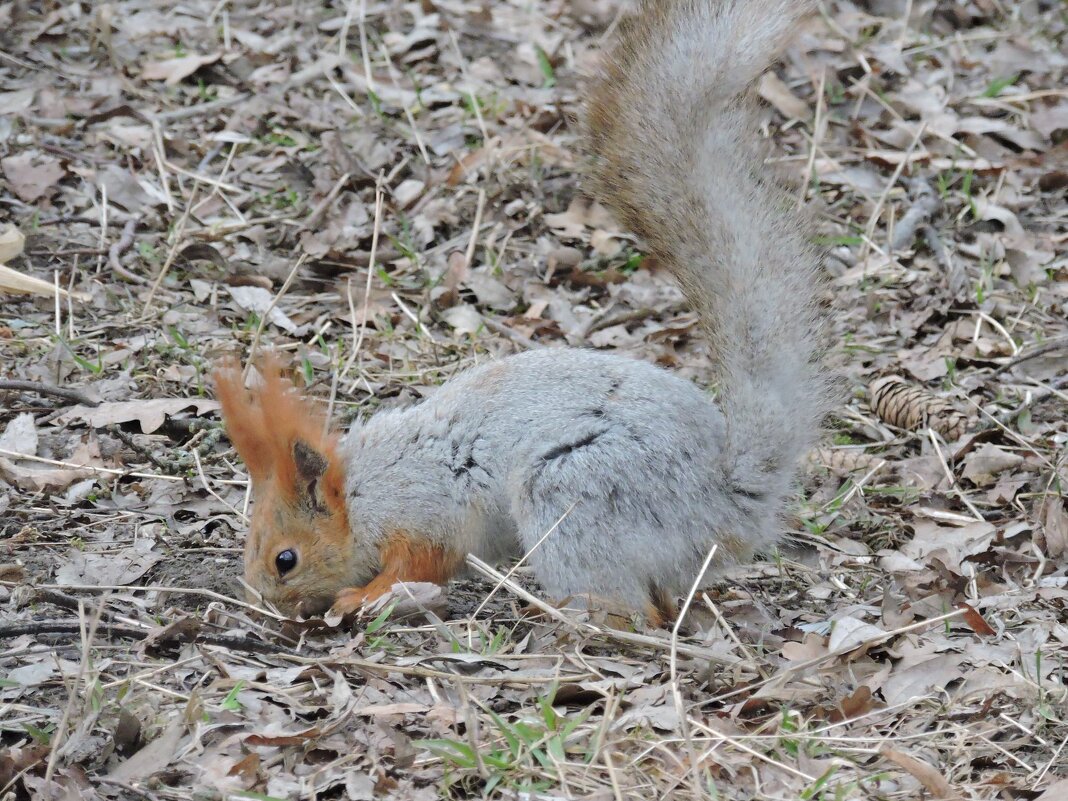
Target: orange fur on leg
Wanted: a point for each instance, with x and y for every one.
(661, 609)
(404, 558)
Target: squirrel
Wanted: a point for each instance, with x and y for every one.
(634, 472)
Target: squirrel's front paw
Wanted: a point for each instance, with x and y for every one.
(405, 599)
(349, 600)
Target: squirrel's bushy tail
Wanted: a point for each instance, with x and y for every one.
(674, 135)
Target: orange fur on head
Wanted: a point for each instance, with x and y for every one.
(298, 480)
(266, 423)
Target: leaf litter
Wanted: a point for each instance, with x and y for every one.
(166, 166)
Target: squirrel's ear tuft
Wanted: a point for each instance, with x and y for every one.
(243, 418)
(280, 434)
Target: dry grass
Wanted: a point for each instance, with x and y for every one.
(390, 193)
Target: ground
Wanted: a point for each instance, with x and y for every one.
(389, 192)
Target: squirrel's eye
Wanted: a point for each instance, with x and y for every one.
(286, 561)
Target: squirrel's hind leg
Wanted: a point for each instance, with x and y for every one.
(589, 556)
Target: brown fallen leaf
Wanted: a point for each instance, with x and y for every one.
(280, 740)
(772, 89)
(150, 413)
(171, 636)
(127, 734)
(173, 70)
(153, 757)
(120, 567)
(248, 768)
(32, 175)
(38, 477)
(1055, 525)
(1055, 792)
(19, 438)
(983, 465)
(929, 776)
(854, 705)
(12, 241)
(975, 621)
(447, 292)
(12, 571)
(16, 761)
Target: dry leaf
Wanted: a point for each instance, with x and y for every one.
(975, 621)
(36, 477)
(259, 300)
(20, 435)
(930, 777)
(173, 70)
(153, 757)
(150, 413)
(982, 466)
(1057, 791)
(849, 632)
(31, 174)
(119, 567)
(12, 242)
(1055, 526)
(921, 678)
(464, 318)
(772, 89)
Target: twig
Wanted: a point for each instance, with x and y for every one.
(202, 108)
(814, 142)
(619, 318)
(173, 252)
(673, 660)
(129, 633)
(215, 596)
(267, 314)
(110, 471)
(472, 243)
(873, 220)
(121, 246)
(631, 638)
(213, 493)
(361, 331)
(808, 664)
(316, 215)
(1041, 350)
(86, 637)
(924, 206)
(950, 477)
(498, 327)
(48, 389)
(129, 788)
(116, 430)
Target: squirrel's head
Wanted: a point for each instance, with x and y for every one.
(299, 550)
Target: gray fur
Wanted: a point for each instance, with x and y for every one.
(655, 471)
